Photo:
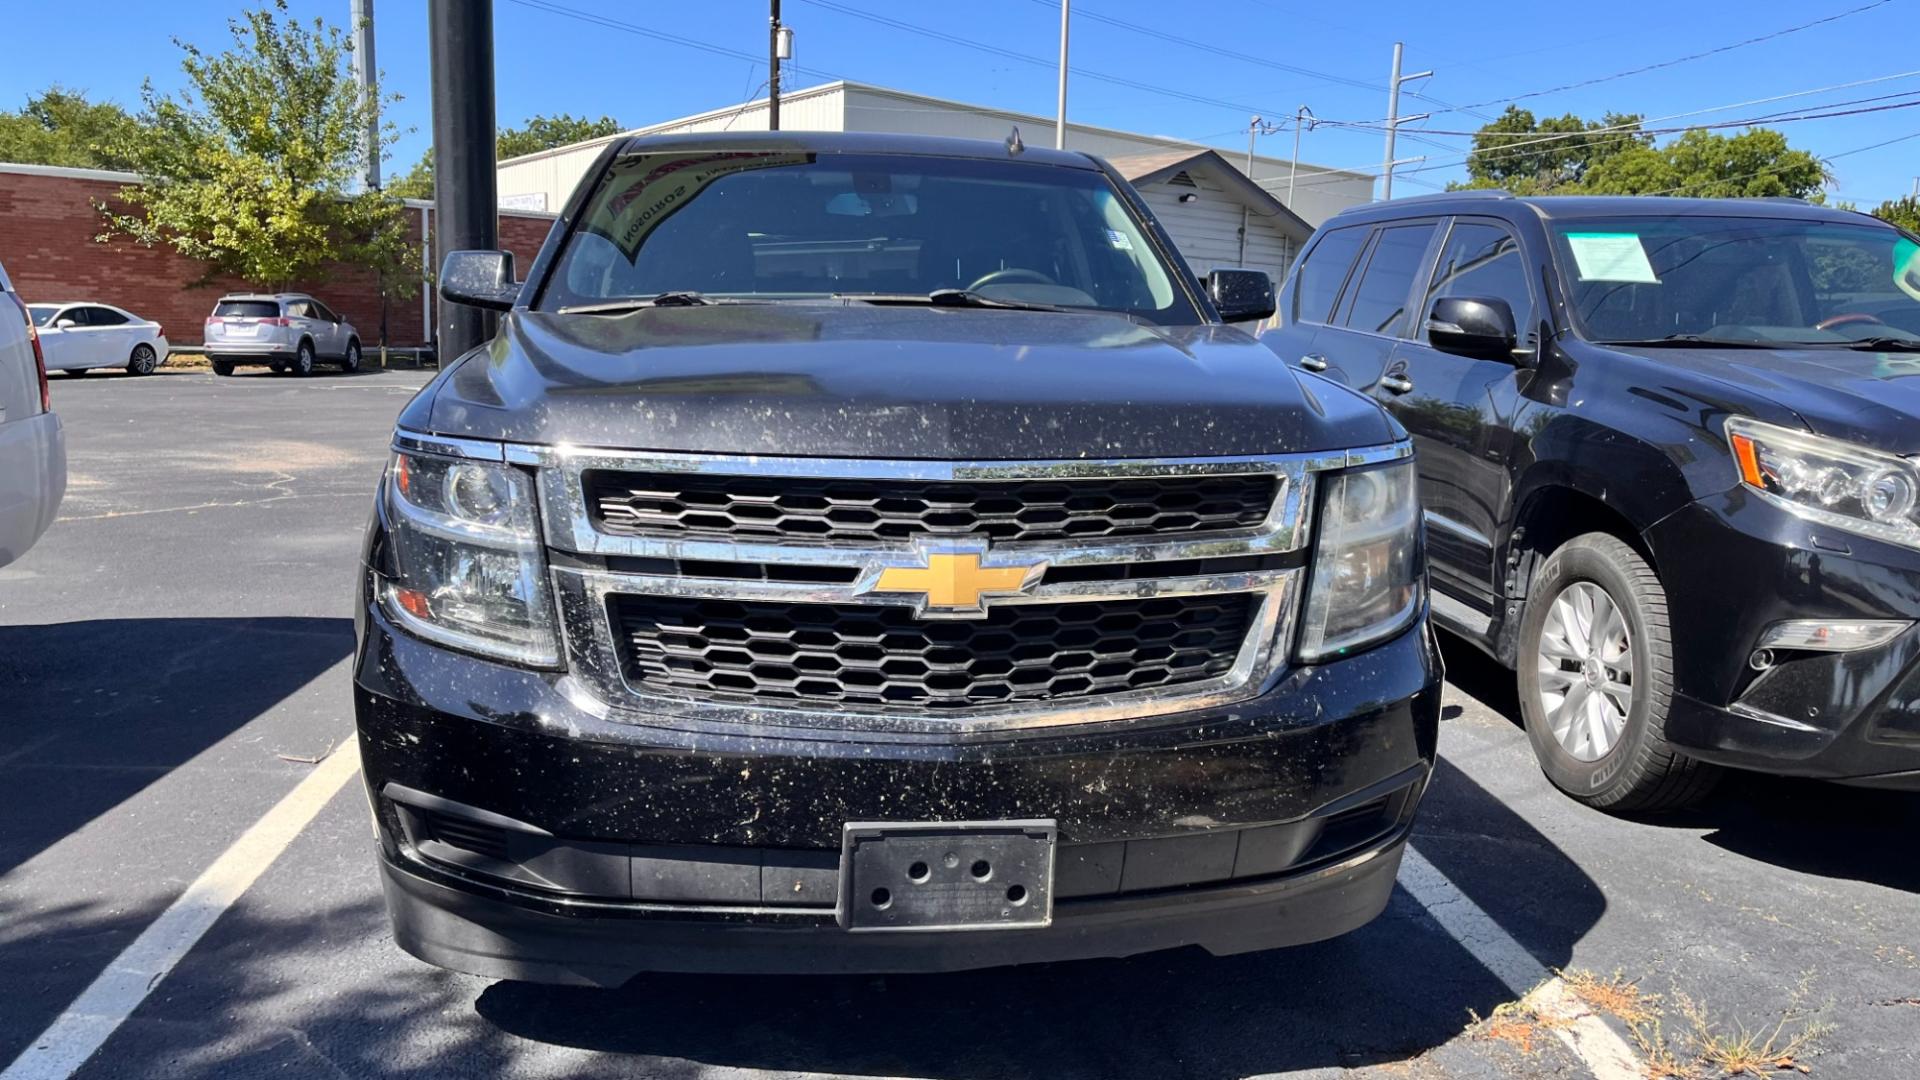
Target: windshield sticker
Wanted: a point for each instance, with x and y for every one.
(646, 189)
(1611, 257)
(1906, 267)
(1119, 240)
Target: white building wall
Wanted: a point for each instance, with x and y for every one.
(1207, 230)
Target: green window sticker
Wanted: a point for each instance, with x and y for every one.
(1906, 267)
(1611, 257)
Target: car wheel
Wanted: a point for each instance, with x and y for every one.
(1596, 680)
(143, 360)
(351, 361)
(223, 367)
(303, 359)
(278, 367)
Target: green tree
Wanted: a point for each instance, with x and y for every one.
(1614, 156)
(1902, 212)
(251, 170)
(1531, 156)
(62, 127)
(539, 133)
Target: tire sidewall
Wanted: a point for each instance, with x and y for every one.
(143, 361)
(351, 361)
(223, 367)
(1588, 780)
(303, 360)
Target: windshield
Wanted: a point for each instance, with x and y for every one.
(41, 312)
(801, 226)
(1757, 280)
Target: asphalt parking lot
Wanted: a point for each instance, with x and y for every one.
(174, 660)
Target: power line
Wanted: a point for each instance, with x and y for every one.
(1677, 60)
(659, 35)
(1038, 61)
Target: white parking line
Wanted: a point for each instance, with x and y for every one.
(1604, 1053)
(105, 1004)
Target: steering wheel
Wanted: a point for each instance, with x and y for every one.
(1847, 319)
(1009, 275)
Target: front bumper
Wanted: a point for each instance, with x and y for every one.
(1734, 565)
(623, 843)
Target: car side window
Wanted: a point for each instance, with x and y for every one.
(1323, 272)
(1380, 299)
(78, 316)
(1483, 261)
(99, 316)
(323, 312)
(299, 309)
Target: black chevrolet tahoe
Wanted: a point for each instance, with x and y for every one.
(878, 554)
(1667, 466)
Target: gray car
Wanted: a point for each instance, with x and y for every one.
(33, 449)
(285, 331)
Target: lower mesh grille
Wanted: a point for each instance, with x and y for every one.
(883, 655)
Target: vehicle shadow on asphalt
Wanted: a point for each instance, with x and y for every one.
(1388, 992)
(1831, 830)
(97, 710)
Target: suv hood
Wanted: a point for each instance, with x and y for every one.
(1868, 398)
(857, 380)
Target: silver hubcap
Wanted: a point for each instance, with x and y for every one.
(1586, 671)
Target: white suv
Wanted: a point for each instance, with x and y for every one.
(33, 449)
(285, 331)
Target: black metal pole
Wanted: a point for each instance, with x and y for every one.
(465, 202)
(773, 70)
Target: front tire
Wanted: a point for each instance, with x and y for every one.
(350, 363)
(1596, 681)
(223, 367)
(303, 359)
(143, 361)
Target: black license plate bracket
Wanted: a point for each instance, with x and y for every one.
(975, 875)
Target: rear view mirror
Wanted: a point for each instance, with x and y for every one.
(1467, 326)
(482, 279)
(1240, 295)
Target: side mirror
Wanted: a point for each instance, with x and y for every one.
(1480, 328)
(482, 279)
(1240, 295)
(64, 324)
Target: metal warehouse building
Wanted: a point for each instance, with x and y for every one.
(1205, 199)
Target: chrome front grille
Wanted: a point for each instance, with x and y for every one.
(809, 509)
(867, 654)
(653, 618)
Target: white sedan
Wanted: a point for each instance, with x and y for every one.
(77, 336)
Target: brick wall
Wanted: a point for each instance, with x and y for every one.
(47, 230)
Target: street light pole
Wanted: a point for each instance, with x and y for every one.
(465, 201)
(1060, 113)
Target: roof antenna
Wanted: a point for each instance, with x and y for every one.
(1014, 145)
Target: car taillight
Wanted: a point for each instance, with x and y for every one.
(159, 331)
(281, 321)
(39, 358)
(214, 320)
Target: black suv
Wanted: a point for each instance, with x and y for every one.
(862, 553)
(1666, 465)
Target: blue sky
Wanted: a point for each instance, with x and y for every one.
(1482, 51)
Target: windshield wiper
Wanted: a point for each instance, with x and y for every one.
(950, 298)
(1689, 340)
(681, 298)
(1885, 344)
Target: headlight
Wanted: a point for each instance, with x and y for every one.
(469, 570)
(1835, 483)
(1366, 567)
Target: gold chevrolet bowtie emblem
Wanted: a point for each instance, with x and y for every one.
(952, 584)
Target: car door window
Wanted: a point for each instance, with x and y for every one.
(1323, 272)
(1483, 261)
(99, 316)
(323, 312)
(1379, 303)
(299, 309)
(75, 315)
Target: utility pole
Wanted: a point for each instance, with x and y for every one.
(465, 200)
(1300, 116)
(1060, 113)
(1916, 187)
(1394, 119)
(365, 74)
(773, 69)
(1255, 126)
